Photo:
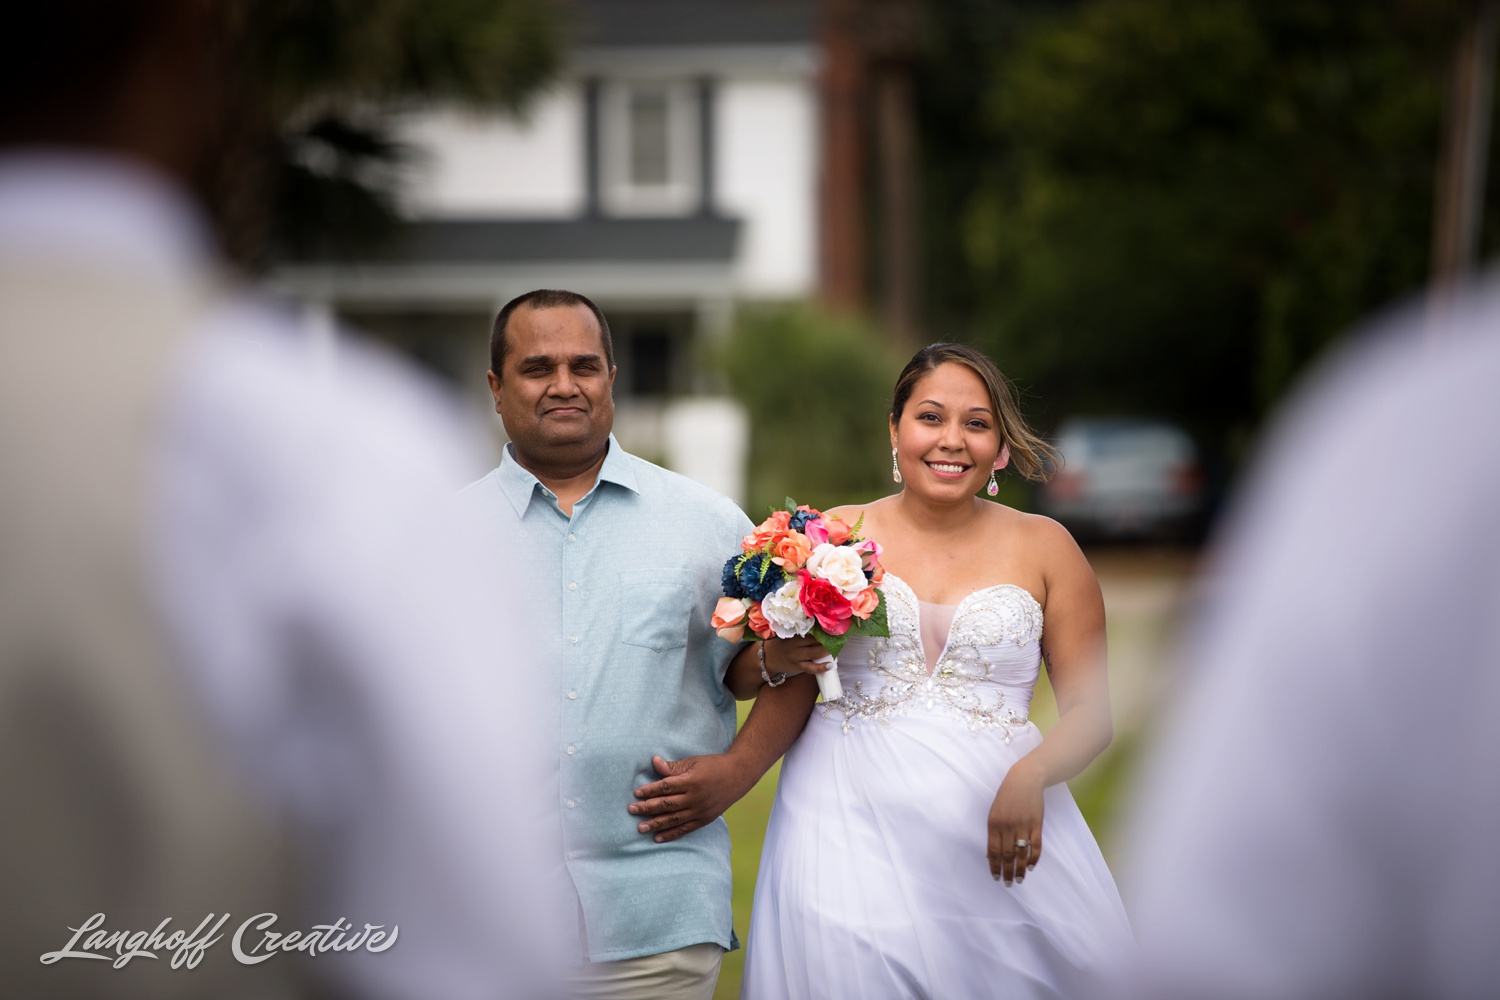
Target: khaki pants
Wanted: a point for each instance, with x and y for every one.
(685, 974)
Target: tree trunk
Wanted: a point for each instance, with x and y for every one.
(1462, 163)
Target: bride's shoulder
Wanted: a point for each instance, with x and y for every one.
(1036, 532)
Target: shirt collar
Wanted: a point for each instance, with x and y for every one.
(519, 485)
(618, 468)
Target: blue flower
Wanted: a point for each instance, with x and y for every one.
(731, 580)
(758, 587)
(799, 520)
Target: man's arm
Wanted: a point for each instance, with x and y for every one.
(695, 791)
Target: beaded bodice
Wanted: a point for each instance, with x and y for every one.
(983, 677)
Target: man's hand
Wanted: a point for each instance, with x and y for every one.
(692, 793)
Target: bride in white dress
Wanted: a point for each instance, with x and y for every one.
(922, 843)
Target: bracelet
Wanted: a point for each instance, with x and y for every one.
(760, 654)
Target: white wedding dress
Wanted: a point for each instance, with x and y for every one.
(874, 881)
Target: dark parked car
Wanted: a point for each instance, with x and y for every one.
(1126, 477)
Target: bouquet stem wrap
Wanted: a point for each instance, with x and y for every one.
(828, 683)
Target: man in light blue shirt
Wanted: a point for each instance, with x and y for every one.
(624, 559)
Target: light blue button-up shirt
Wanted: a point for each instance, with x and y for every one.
(635, 573)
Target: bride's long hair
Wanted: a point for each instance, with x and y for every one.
(1030, 454)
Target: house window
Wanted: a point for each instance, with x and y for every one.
(649, 110)
(650, 148)
(652, 359)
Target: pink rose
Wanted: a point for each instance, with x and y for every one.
(870, 551)
(817, 531)
(729, 618)
(824, 604)
(864, 603)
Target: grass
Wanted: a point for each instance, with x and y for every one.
(747, 820)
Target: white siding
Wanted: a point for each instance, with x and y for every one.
(766, 159)
(489, 166)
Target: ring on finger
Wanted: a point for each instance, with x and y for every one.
(1024, 845)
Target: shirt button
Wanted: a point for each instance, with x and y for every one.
(572, 751)
(572, 855)
(572, 586)
(572, 538)
(571, 804)
(572, 695)
(573, 639)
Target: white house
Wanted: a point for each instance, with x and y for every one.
(669, 173)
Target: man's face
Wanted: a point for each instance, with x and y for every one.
(556, 393)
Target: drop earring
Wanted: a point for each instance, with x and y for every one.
(993, 488)
(895, 469)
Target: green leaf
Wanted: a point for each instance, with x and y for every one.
(832, 643)
(791, 505)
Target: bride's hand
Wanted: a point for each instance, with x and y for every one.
(798, 655)
(1015, 842)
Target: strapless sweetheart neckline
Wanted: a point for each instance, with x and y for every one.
(958, 609)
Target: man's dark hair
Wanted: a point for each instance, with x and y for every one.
(544, 298)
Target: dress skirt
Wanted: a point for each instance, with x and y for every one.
(874, 880)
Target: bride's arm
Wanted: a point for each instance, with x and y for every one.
(782, 657)
(1073, 646)
(1077, 665)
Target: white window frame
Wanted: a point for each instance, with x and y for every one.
(680, 195)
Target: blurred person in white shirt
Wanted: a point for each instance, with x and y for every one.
(237, 622)
(1321, 816)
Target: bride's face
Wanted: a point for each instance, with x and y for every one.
(947, 439)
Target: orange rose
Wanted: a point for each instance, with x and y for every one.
(770, 531)
(865, 602)
(838, 531)
(758, 623)
(792, 551)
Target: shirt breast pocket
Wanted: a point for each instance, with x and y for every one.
(655, 608)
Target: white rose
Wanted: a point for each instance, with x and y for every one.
(784, 612)
(840, 566)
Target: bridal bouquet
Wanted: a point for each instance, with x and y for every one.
(803, 572)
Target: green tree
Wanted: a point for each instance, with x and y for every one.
(1175, 205)
(818, 391)
(309, 162)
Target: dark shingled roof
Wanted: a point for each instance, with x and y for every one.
(620, 23)
(463, 241)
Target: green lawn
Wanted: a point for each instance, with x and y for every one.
(747, 827)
